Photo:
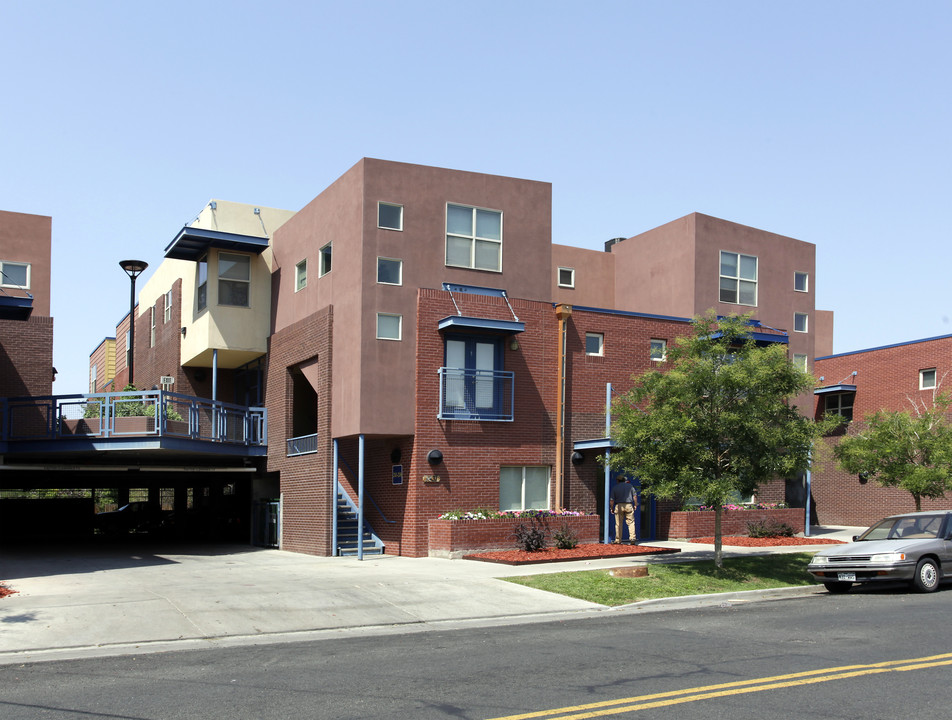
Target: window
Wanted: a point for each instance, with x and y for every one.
(473, 238)
(389, 216)
(840, 404)
(524, 488)
(659, 349)
(168, 307)
(201, 288)
(566, 277)
(801, 281)
(800, 361)
(93, 370)
(326, 253)
(389, 327)
(473, 384)
(234, 279)
(152, 326)
(128, 346)
(800, 322)
(738, 279)
(594, 344)
(927, 379)
(15, 274)
(389, 271)
(300, 275)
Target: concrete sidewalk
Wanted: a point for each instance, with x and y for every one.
(106, 600)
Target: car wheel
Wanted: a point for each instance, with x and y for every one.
(838, 587)
(927, 576)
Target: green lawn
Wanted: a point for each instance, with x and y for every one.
(677, 579)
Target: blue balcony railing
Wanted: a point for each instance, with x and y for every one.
(476, 394)
(302, 445)
(132, 414)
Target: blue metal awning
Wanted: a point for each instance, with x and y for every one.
(192, 243)
(596, 444)
(834, 389)
(758, 337)
(460, 322)
(15, 307)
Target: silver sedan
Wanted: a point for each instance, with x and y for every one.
(915, 547)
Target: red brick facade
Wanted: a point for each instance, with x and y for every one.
(887, 378)
(26, 357)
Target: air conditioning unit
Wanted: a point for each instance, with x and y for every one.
(167, 380)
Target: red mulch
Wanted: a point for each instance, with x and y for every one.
(4, 591)
(743, 541)
(591, 551)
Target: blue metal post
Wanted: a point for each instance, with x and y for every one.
(608, 454)
(806, 522)
(335, 548)
(360, 497)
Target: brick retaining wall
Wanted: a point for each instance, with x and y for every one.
(454, 538)
(682, 525)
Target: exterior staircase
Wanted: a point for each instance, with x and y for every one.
(347, 535)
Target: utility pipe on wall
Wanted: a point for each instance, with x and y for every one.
(562, 312)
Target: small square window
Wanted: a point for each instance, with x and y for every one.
(800, 322)
(389, 216)
(389, 271)
(566, 277)
(15, 274)
(927, 379)
(801, 281)
(389, 327)
(326, 259)
(300, 275)
(594, 344)
(659, 349)
(800, 361)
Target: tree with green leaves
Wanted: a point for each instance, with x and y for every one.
(717, 421)
(910, 450)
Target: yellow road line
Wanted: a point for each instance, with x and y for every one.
(675, 697)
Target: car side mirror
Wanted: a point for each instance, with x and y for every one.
(855, 538)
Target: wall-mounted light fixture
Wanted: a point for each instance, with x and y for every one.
(577, 458)
(184, 331)
(395, 456)
(434, 457)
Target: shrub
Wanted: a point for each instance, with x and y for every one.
(769, 528)
(565, 538)
(529, 537)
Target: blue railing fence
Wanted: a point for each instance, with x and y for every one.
(468, 394)
(136, 413)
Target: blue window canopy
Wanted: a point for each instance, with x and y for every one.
(193, 243)
(830, 389)
(461, 322)
(15, 307)
(596, 444)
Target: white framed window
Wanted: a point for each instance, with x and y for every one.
(738, 279)
(473, 238)
(524, 488)
(300, 275)
(389, 216)
(800, 322)
(927, 379)
(801, 281)
(800, 361)
(389, 271)
(594, 344)
(93, 370)
(15, 274)
(201, 284)
(389, 326)
(234, 279)
(128, 345)
(167, 312)
(326, 253)
(659, 349)
(566, 277)
(152, 326)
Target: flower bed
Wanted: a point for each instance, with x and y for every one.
(455, 538)
(687, 524)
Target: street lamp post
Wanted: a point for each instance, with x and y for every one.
(133, 268)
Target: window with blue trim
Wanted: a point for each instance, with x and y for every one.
(474, 384)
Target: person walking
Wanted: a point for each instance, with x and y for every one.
(624, 503)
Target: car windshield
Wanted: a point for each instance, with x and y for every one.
(901, 528)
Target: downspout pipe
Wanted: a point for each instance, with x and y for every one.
(563, 313)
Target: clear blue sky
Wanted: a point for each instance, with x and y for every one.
(827, 122)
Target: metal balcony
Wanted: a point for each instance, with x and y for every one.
(467, 394)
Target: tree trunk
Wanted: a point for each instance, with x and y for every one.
(918, 502)
(718, 560)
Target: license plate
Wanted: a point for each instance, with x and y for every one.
(846, 577)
